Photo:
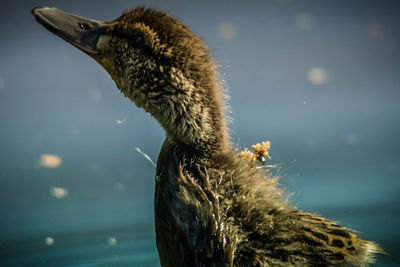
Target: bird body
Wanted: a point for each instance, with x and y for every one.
(228, 212)
(212, 206)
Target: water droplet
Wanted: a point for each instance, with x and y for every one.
(49, 241)
(121, 121)
(50, 161)
(317, 76)
(112, 241)
(58, 192)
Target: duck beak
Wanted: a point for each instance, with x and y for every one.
(80, 32)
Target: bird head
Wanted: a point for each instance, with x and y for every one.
(158, 63)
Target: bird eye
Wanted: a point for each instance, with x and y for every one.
(85, 26)
(138, 40)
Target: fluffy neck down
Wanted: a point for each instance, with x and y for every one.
(188, 104)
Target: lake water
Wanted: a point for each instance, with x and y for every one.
(111, 232)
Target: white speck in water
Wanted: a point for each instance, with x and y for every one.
(50, 161)
(226, 30)
(305, 102)
(58, 192)
(272, 166)
(146, 156)
(318, 76)
(49, 241)
(305, 21)
(121, 121)
(112, 241)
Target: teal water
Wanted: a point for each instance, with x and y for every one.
(130, 246)
(82, 238)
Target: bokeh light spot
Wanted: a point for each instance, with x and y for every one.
(49, 241)
(50, 161)
(112, 241)
(317, 76)
(58, 192)
(121, 121)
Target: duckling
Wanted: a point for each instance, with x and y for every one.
(212, 206)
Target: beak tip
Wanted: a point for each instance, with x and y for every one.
(69, 27)
(35, 10)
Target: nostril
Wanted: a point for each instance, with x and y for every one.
(85, 26)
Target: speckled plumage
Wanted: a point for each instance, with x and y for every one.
(212, 207)
(173, 77)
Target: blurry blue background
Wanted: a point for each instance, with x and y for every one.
(319, 79)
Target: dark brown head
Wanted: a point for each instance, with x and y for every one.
(158, 63)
